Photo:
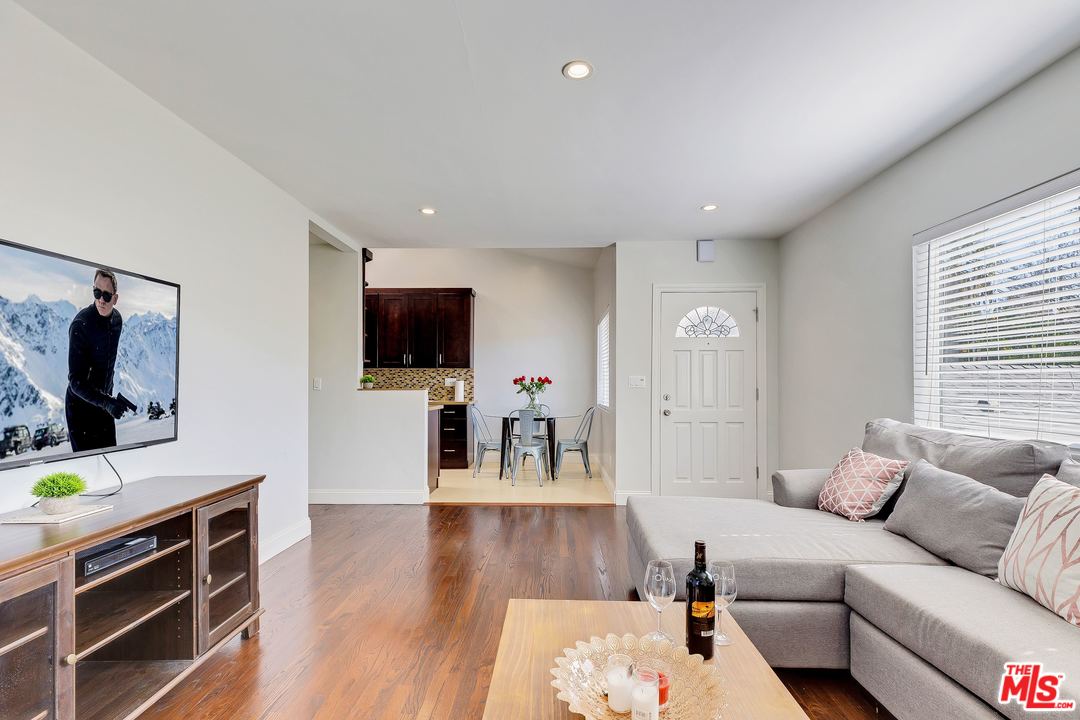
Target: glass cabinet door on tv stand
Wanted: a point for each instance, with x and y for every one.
(228, 567)
(37, 670)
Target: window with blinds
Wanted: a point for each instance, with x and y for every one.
(997, 320)
(603, 364)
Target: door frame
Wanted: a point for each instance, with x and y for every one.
(762, 377)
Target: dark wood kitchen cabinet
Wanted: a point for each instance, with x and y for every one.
(418, 327)
(423, 330)
(455, 329)
(455, 437)
(392, 332)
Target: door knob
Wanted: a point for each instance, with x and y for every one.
(666, 396)
(667, 412)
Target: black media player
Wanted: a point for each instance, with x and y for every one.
(116, 551)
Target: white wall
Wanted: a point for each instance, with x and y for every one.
(533, 317)
(365, 447)
(602, 442)
(93, 168)
(639, 266)
(846, 275)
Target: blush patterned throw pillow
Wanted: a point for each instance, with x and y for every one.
(1042, 559)
(860, 485)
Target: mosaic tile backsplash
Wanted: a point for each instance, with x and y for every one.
(420, 378)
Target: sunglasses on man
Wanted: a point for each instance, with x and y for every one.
(105, 295)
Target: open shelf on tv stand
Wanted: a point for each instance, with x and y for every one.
(108, 645)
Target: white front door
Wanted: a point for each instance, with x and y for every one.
(707, 394)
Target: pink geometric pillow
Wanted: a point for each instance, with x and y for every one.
(1042, 559)
(861, 484)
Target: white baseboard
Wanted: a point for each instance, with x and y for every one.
(283, 539)
(367, 497)
(620, 497)
(609, 482)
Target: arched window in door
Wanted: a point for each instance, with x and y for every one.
(707, 322)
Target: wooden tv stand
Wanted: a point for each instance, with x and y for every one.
(107, 646)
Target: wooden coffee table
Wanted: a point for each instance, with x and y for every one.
(536, 631)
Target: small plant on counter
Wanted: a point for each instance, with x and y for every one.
(368, 381)
(57, 492)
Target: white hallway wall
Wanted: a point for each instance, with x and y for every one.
(640, 265)
(533, 316)
(602, 442)
(846, 318)
(364, 447)
(94, 168)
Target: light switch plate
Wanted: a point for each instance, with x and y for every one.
(316, 383)
(637, 381)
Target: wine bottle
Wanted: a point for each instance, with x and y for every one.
(700, 606)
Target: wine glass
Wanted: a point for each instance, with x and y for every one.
(723, 574)
(660, 592)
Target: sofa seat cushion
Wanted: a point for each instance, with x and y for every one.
(966, 625)
(779, 553)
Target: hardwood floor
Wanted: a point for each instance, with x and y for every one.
(396, 612)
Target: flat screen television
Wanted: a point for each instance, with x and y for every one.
(89, 357)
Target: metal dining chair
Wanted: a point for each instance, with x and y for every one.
(579, 443)
(540, 424)
(484, 439)
(528, 444)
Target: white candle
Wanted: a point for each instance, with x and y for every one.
(645, 703)
(619, 686)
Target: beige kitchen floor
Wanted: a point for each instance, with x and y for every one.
(572, 487)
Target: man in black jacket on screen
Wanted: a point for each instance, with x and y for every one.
(93, 339)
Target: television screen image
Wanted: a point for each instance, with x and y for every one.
(88, 357)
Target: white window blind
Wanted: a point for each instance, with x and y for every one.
(603, 364)
(997, 323)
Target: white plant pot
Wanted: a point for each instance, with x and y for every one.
(57, 505)
(369, 386)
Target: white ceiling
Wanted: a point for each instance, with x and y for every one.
(772, 109)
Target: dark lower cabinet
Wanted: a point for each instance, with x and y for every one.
(418, 327)
(455, 437)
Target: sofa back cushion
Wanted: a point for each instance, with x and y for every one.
(1069, 472)
(955, 517)
(1012, 466)
(1042, 559)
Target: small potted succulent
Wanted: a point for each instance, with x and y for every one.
(368, 381)
(57, 492)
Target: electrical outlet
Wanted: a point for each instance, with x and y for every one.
(450, 382)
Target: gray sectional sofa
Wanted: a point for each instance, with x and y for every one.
(927, 638)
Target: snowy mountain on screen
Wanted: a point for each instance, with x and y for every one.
(33, 360)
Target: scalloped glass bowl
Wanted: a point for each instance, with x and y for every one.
(696, 689)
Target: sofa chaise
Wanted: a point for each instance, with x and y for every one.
(927, 638)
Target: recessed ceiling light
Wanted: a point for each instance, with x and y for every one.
(577, 70)
(710, 207)
(428, 211)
